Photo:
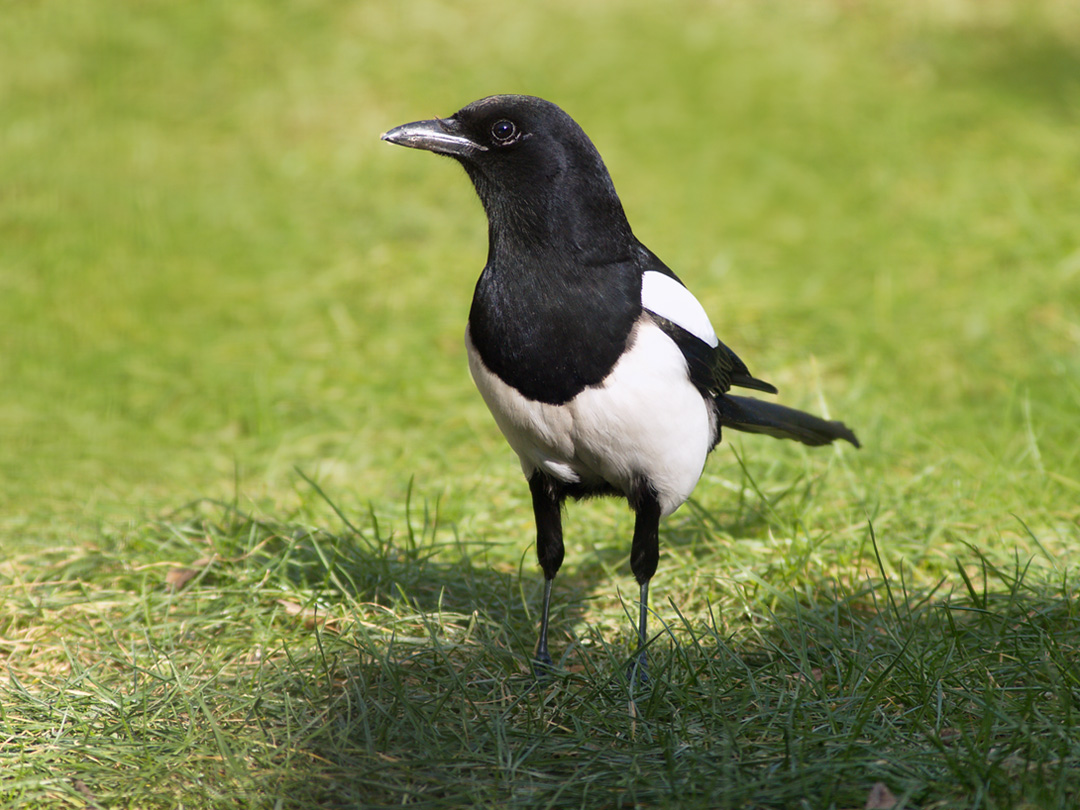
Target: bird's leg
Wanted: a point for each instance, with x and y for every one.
(547, 509)
(644, 555)
(643, 620)
(542, 661)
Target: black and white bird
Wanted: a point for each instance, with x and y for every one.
(601, 369)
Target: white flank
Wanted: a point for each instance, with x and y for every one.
(664, 296)
(646, 419)
(538, 432)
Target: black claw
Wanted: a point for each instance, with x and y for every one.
(543, 666)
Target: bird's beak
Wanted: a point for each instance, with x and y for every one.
(439, 135)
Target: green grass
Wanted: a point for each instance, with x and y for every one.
(224, 304)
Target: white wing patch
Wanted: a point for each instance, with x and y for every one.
(664, 296)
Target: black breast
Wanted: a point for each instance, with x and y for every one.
(550, 332)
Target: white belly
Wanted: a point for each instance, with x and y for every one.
(646, 419)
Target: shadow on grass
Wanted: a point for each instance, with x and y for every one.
(411, 687)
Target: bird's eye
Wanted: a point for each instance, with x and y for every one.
(503, 131)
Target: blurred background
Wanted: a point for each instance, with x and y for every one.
(212, 271)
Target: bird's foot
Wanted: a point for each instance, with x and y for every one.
(543, 666)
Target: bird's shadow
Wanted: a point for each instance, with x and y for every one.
(434, 671)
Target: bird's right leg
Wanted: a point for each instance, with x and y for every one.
(644, 556)
(547, 497)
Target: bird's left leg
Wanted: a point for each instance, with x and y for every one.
(644, 555)
(547, 497)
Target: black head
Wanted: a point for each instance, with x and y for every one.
(540, 178)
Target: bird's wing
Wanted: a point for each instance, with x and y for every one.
(714, 368)
(665, 295)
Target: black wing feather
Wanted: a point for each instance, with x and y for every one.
(712, 370)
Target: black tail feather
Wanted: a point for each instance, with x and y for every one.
(756, 416)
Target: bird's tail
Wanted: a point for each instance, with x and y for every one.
(756, 416)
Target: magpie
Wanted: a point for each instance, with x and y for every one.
(600, 367)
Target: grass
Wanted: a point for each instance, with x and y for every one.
(355, 668)
(262, 545)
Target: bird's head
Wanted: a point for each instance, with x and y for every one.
(537, 173)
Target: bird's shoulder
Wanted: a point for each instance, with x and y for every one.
(713, 367)
(550, 325)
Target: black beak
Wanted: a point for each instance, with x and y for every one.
(440, 135)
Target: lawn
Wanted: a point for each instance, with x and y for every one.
(262, 545)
